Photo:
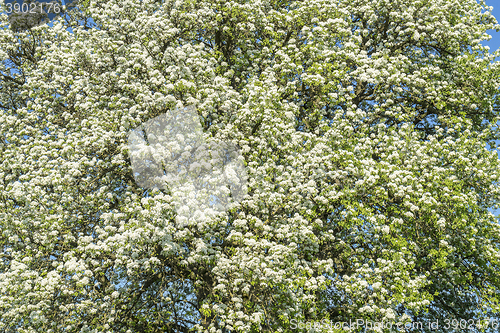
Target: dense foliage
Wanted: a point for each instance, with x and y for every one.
(364, 125)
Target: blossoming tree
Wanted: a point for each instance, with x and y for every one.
(366, 127)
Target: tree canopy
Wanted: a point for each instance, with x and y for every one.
(366, 127)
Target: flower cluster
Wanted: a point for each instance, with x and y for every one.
(364, 127)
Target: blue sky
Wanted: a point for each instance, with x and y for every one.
(494, 43)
